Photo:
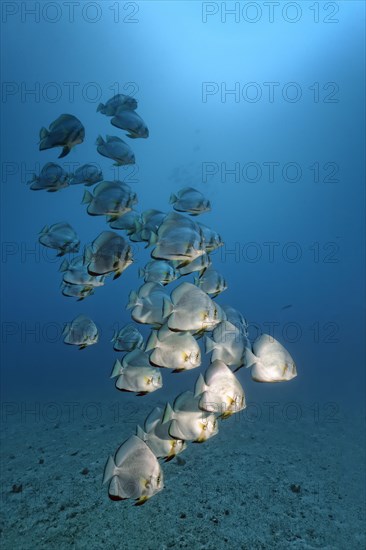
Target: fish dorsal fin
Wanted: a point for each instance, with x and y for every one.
(152, 419)
(117, 369)
(200, 386)
(132, 445)
(152, 341)
(168, 414)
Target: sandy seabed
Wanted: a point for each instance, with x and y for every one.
(261, 483)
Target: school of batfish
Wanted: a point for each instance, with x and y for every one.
(180, 246)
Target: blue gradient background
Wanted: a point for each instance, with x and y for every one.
(168, 54)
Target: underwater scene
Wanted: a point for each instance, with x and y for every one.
(183, 275)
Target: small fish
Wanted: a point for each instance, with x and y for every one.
(135, 374)
(236, 318)
(201, 263)
(228, 344)
(117, 104)
(88, 174)
(60, 236)
(81, 332)
(128, 338)
(158, 271)
(132, 123)
(286, 307)
(108, 253)
(211, 239)
(76, 291)
(187, 421)
(211, 282)
(150, 223)
(193, 309)
(219, 390)
(270, 361)
(150, 305)
(156, 436)
(191, 201)
(134, 472)
(172, 350)
(127, 222)
(110, 198)
(66, 132)
(76, 273)
(51, 178)
(116, 149)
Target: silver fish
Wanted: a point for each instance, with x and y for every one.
(87, 174)
(60, 236)
(66, 132)
(127, 222)
(201, 263)
(76, 273)
(156, 435)
(81, 332)
(108, 253)
(187, 421)
(219, 390)
(228, 344)
(211, 239)
(135, 374)
(270, 361)
(116, 149)
(193, 309)
(128, 338)
(172, 350)
(177, 238)
(150, 305)
(51, 178)
(110, 198)
(158, 271)
(118, 103)
(211, 282)
(76, 291)
(236, 318)
(134, 472)
(191, 201)
(132, 123)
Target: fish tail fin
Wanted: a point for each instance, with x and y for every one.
(117, 370)
(168, 413)
(152, 341)
(173, 198)
(115, 334)
(88, 255)
(100, 107)
(133, 300)
(65, 151)
(100, 140)
(109, 470)
(87, 197)
(142, 272)
(196, 281)
(209, 344)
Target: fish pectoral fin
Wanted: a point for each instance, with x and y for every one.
(141, 500)
(65, 151)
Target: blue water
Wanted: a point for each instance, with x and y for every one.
(264, 115)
